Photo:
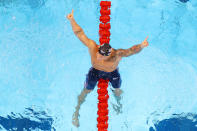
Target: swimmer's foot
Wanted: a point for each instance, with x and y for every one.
(75, 119)
(117, 108)
(117, 95)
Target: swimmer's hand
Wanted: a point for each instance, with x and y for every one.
(145, 43)
(70, 16)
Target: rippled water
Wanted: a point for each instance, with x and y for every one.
(43, 65)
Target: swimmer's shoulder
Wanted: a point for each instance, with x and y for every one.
(93, 44)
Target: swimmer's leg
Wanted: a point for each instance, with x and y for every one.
(90, 83)
(116, 81)
(118, 92)
(81, 99)
(117, 95)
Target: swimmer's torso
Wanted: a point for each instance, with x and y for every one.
(108, 65)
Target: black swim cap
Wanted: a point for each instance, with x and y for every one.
(104, 49)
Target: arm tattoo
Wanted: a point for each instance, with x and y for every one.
(133, 50)
(78, 31)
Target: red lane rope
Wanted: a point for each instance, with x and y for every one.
(102, 105)
(104, 34)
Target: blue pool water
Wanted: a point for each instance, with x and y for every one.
(43, 65)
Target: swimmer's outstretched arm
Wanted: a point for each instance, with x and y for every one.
(133, 50)
(78, 31)
(76, 28)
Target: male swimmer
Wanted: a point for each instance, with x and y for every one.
(105, 60)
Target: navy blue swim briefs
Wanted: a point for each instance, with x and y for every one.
(94, 75)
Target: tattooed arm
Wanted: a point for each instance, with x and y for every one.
(133, 50)
(128, 52)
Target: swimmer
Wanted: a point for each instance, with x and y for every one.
(104, 60)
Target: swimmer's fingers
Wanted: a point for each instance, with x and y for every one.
(70, 16)
(145, 42)
(72, 11)
(146, 38)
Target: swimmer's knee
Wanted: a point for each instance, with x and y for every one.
(118, 91)
(87, 90)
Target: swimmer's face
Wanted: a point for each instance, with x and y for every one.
(101, 57)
